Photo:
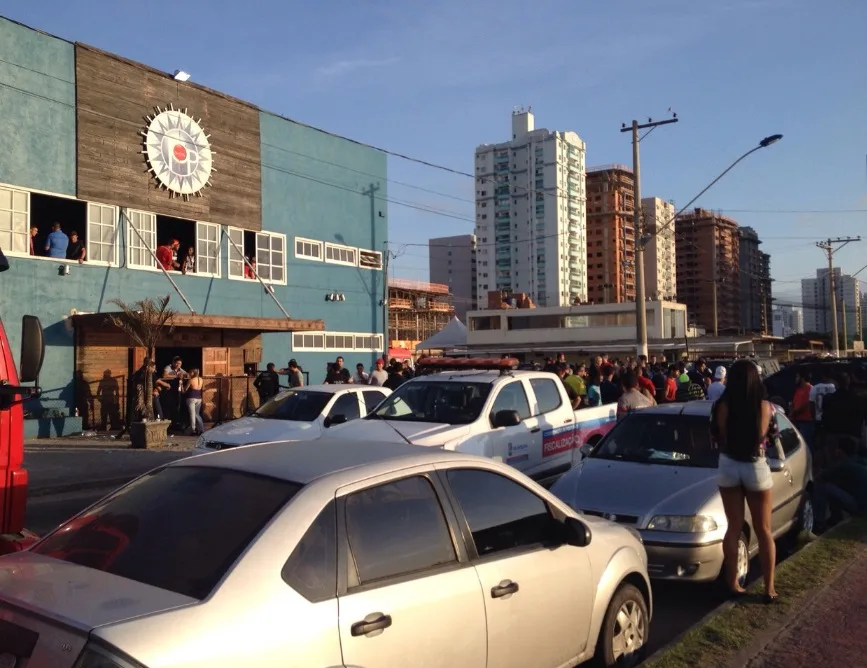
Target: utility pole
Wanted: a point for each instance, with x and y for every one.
(640, 305)
(831, 246)
(845, 333)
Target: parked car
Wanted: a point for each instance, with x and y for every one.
(299, 414)
(656, 471)
(328, 553)
(523, 418)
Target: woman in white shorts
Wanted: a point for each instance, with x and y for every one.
(742, 423)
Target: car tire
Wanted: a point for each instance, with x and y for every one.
(624, 633)
(743, 568)
(806, 518)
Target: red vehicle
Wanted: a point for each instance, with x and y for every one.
(13, 476)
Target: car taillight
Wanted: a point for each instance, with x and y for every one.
(97, 656)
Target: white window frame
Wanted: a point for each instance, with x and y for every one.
(200, 226)
(89, 245)
(12, 214)
(134, 243)
(378, 255)
(236, 234)
(339, 247)
(271, 236)
(315, 244)
(299, 346)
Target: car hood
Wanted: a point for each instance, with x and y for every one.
(75, 596)
(246, 430)
(397, 431)
(639, 490)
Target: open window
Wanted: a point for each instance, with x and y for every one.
(266, 249)
(48, 210)
(100, 236)
(207, 249)
(369, 259)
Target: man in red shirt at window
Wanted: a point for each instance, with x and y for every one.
(167, 255)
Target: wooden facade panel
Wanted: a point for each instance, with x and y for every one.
(114, 97)
(101, 385)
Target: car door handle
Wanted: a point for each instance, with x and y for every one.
(535, 430)
(567, 420)
(505, 588)
(373, 622)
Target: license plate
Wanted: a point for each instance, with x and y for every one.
(8, 660)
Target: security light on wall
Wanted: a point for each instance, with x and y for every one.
(180, 75)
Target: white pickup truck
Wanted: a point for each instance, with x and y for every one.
(523, 418)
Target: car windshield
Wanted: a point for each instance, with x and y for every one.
(655, 438)
(295, 405)
(445, 402)
(179, 528)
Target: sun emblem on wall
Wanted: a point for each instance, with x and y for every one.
(178, 152)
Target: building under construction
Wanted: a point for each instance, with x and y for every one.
(416, 310)
(610, 235)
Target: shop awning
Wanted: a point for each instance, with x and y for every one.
(216, 322)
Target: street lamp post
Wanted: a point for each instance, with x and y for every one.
(644, 239)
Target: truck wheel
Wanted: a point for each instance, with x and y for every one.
(624, 633)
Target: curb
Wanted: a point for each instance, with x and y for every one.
(722, 607)
(52, 490)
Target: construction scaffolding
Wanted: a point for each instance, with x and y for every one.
(416, 310)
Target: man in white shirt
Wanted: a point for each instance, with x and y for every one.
(361, 375)
(718, 386)
(819, 390)
(379, 375)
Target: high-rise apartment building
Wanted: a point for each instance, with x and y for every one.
(787, 320)
(816, 299)
(610, 234)
(706, 246)
(530, 216)
(660, 268)
(755, 277)
(453, 263)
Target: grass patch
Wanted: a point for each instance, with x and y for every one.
(720, 638)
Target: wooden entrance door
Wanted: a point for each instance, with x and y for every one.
(216, 395)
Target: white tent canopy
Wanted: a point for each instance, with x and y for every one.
(452, 335)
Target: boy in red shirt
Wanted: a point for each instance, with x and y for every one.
(802, 409)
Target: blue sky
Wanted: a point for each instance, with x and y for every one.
(433, 80)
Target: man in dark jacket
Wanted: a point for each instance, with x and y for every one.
(267, 383)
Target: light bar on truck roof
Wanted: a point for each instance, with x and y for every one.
(467, 363)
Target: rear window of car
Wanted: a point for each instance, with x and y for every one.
(179, 528)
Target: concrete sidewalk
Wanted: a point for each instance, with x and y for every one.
(104, 440)
(829, 630)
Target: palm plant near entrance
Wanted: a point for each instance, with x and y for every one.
(145, 322)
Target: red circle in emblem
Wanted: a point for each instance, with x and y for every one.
(180, 152)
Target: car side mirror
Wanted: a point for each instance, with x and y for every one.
(32, 349)
(332, 420)
(577, 533)
(776, 465)
(586, 449)
(506, 419)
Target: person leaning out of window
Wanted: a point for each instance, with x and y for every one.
(75, 251)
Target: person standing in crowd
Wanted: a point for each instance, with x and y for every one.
(718, 386)
(379, 375)
(644, 383)
(576, 381)
(267, 383)
(632, 398)
(189, 264)
(338, 374)
(671, 384)
(167, 255)
(56, 243)
(802, 408)
(76, 250)
(742, 424)
(174, 375)
(817, 398)
(574, 397)
(608, 388)
(395, 375)
(360, 377)
(194, 386)
(296, 376)
(594, 389)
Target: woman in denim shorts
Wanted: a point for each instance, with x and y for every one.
(742, 422)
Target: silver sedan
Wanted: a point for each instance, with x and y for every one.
(656, 471)
(327, 553)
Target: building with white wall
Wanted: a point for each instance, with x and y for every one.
(660, 270)
(530, 214)
(815, 297)
(787, 320)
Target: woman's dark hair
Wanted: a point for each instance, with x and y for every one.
(629, 380)
(595, 376)
(743, 396)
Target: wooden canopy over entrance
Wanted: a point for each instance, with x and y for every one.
(105, 357)
(215, 322)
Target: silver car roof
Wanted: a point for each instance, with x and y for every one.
(305, 461)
